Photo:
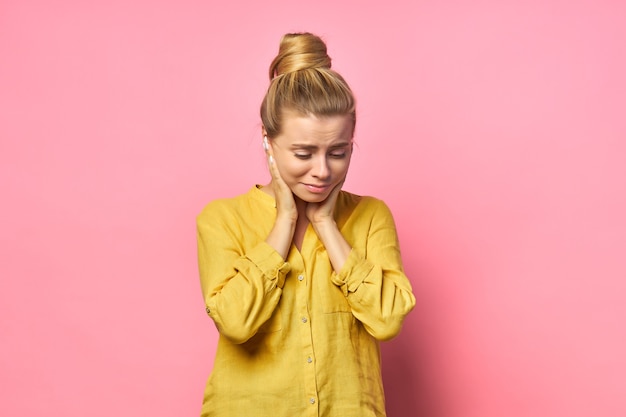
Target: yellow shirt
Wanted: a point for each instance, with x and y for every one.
(296, 338)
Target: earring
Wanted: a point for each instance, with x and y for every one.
(265, 145)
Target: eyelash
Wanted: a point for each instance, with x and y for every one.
(308, 156)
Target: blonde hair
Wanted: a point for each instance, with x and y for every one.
(301, 81)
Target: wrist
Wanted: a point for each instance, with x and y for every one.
(324, 224)
(286, 220)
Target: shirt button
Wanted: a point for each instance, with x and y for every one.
(208, 310)
(300, 277)
(309, 359)
(312, 400)
(304, 320)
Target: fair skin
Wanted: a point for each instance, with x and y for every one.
(308, 162)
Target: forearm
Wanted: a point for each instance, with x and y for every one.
(241, 297)
(241, 307)
(281, 235)
(336, 245)
(379, 297)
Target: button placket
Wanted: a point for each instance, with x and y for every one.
(303, 315)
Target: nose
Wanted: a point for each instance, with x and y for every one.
(321, 169)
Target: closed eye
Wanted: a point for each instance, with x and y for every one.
(338, 155)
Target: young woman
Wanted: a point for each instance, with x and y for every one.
(301, 278)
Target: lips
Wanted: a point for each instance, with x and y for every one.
(317, 189)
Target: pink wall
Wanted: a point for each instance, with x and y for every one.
(495, 130)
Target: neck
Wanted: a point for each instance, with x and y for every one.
(301, 207)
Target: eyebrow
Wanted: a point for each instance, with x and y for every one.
(314, 147)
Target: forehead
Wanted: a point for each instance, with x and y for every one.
(314, 130)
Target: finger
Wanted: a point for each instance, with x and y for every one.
(271, 162)
(331, 200)
(335, 192)
(277, 179)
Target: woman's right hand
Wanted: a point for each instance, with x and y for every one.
(281, 235)
(285, 203)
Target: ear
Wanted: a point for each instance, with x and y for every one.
(263, 131)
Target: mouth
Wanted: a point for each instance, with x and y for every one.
(317, 189)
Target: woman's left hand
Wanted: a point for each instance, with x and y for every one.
(321, 216)
(322, 212)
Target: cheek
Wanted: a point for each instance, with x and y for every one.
(289, 168)
(341, 166)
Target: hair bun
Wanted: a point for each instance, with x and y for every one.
(299, 51)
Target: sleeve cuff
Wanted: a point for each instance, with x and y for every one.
(353, 273)
(269, 262)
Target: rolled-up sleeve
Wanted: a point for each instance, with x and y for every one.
(373, 280)
(241, 290)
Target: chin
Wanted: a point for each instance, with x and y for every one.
(309, 197)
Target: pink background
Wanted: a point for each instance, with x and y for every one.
(495, 131)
